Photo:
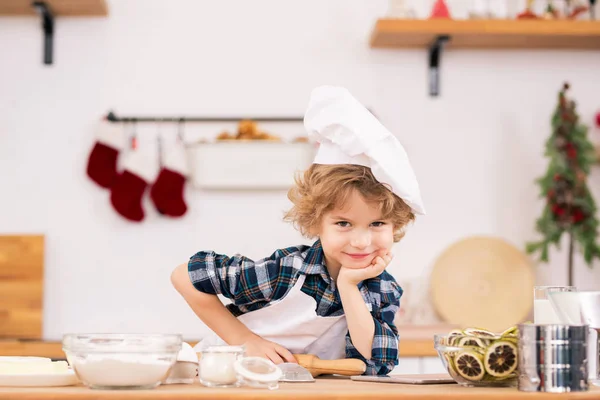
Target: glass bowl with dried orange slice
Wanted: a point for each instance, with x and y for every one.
(477, 357)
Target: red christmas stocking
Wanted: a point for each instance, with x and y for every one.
(102, 162)
(129, 187)
(167, 193)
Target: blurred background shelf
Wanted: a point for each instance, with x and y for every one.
(71, 8)
(487, 34)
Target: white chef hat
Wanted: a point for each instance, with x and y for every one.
(349, 134)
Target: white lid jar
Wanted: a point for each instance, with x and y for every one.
(217, 366)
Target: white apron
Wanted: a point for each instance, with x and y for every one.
(293, 323)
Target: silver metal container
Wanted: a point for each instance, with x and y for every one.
(553, 358)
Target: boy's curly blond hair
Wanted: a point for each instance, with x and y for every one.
(323, 188)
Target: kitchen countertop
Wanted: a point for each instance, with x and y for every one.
(323, 388)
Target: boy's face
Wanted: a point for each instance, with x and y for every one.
(354, 235)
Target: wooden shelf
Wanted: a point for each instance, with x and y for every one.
(487, 34)
(70, 8)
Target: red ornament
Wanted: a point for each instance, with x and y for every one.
(527, 14)
(551, 193)
(572, 153)
(576, 11)
(440, 10)
(578, 215)
(557, 177)
(557, 210)
(598, 119)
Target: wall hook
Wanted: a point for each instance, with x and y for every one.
(48, 26)
(435, 53)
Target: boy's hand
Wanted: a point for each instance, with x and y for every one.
(256, 346)
(354, 276)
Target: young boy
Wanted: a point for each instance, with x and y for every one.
(334, 298)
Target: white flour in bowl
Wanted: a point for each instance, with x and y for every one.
(123, 370)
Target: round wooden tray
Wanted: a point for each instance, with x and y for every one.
(483, 282)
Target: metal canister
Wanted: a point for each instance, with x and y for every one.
(553, 358)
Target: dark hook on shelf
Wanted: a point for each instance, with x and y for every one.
(435, 51)
(48, 26)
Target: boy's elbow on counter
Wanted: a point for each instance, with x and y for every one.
(378, 368)
(180, 279)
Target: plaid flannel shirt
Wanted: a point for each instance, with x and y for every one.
(252, 285)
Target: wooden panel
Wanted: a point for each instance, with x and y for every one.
(488, 34)
(33, 348)
(21, 286)
(322, 389)
(417, 348)
(70, 8)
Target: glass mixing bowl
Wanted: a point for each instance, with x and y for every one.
(479, 360)
(121, 361)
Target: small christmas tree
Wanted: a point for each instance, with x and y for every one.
(569, 207)
(440, 10)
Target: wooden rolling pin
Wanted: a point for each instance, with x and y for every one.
(316, 366)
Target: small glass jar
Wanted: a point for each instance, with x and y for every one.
(258, 372)
(543, 310)
(217, 366)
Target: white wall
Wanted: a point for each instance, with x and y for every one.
(476, 149)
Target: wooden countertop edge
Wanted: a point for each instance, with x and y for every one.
(322, 389)
(408, 348)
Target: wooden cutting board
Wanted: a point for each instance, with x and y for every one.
(483, 282)
(21, 286)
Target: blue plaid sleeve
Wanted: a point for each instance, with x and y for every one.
(238, 278)
(384, 355)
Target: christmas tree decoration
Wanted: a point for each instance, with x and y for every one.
(551, 12)
(573, 9)
(598, 120)
(528, 12)
(570, 208)
(577, 10)
(440, 10)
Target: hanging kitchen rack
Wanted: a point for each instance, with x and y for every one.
(112, 117)
(236, 164)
